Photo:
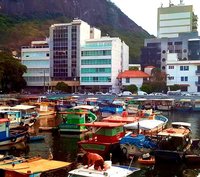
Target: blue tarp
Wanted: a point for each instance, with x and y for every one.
(139, 141)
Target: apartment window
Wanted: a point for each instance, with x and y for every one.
(171, 67)
(127, 80)
(184, 68)
(184, 78)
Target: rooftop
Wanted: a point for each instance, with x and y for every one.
(133, 74)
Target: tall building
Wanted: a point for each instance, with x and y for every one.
(65, 48)
(155, 50)
(101, 62)
(36, 59)
(175, 19)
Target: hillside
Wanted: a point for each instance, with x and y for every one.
(24, 20)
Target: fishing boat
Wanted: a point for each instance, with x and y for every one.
(110, 108)
(11, 136)
(112, 171)
(19, 115)
(165, 104)
(75, 116)
(173, 143)
(183, 105)
(196, 105)
(33, 167)
(141, 136)
(148, 126)
(105, 138)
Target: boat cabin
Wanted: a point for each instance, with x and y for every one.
(106, 132)
(4, 129)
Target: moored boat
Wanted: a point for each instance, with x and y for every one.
(112, 171)
(75, 116)
(11, 136)
(33, 167)
(173, 143)
(105, 138)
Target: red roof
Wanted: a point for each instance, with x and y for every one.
(133, 74)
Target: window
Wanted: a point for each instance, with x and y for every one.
(127, 80)
(184, 78)
(171, 67)
(184, 68)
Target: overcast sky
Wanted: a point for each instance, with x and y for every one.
(144, 12)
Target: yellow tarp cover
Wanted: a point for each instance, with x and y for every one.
(35, 166)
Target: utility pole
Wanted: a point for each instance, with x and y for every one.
(44, 81)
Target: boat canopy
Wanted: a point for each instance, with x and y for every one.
(23, 107)
(184, 124)
(35, 166)
(144, 124)
(88, 107)
(140, 141)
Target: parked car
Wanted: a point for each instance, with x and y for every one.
(142, 93)
(125, 93)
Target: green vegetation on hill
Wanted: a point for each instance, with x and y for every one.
(17, 32)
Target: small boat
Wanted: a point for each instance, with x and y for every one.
(165, 104)
(173, 143)
(11, 136)
(196, 105)
(19, 115)
(32, 167)
(149, 160)
(105, 138)
(112, 171)
(110, 108)
(141, 136)
(183, 105)
(75, 116)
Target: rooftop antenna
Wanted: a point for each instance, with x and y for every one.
(161, 4)
(170, 3)
(181, 1)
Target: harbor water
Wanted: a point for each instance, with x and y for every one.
(64, 148)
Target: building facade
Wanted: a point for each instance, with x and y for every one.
(101, 62)
(155, 50)
(186, 74)
(131, 77)
(36, 59)
(176, 19)
(65, 48)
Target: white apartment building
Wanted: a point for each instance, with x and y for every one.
(183, 73)
(36, 59)
(175, 19)
(65, 48)
(101, 62)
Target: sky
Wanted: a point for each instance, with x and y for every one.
(144, 12)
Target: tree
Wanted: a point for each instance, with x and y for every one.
(11, 73)
(61, 86)
(132, 88)
(146, 88)
(175, 87)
